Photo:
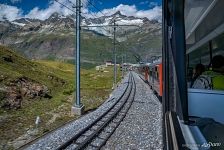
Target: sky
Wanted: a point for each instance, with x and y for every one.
(42, 9)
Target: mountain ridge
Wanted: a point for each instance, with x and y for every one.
(54, 37)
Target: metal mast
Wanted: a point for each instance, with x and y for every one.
(122, 66)
(78, 103)
(78, 107)
(115, 58)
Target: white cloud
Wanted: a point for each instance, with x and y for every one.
(9, 12)
(151, 14)
(54, 6)
(12, 12)
(154, 13)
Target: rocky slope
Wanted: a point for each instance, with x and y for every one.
(22, 80)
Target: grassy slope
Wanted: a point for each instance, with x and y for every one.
(14, 123)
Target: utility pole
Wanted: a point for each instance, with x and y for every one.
(78, 107)
(115, 59)
(125, 60)
(122, 66)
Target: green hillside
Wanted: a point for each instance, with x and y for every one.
(42, 88)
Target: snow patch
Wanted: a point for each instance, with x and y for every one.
(130, 22)
(19, 24)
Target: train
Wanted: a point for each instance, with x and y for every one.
(193, 33)
(152, 73)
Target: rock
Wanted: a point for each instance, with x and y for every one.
(32, 90)
(24, 91)
(13, 99)
(22, 88)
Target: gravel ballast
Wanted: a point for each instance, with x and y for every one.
(142, 126)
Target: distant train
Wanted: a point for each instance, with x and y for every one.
(152, 74)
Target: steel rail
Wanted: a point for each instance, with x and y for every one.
(118, 110)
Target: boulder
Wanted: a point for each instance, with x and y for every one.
(23, 88)
(12, 99)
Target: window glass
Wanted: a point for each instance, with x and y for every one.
(218, 45)
(200, 55)
(204, 30)
(194, 9)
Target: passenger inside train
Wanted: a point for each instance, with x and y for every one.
(211, 79)
(199, 69)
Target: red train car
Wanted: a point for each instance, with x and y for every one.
(153, 75)
(155, 78)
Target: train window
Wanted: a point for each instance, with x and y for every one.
(204, 31)
(200, 55)
(204, 28)
(194, 10)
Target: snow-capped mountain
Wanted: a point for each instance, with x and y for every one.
(55, 35)
(59, 22)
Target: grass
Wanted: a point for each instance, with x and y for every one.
(95, 88)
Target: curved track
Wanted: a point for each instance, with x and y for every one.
(95, 135)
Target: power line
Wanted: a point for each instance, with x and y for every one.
(96, 7)
(94, 16)
(98, 10)
(64, 6)
(75, 12)
(103, 13)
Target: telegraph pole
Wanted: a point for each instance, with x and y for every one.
(115, 58)
(78, 107)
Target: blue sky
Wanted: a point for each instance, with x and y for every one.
(141, 4)
(12, 9)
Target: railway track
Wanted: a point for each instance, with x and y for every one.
(96, 134)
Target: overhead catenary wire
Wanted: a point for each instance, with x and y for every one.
(64, 5)
(67, 6)
(98, 9)
(94, 16)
